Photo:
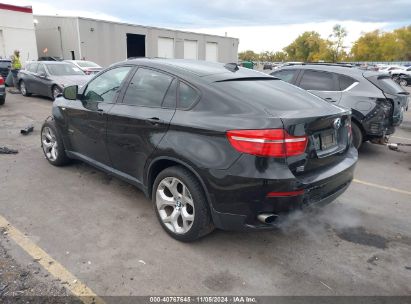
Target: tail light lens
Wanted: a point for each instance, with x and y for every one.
(271, 142)
(285, 194)
(1, 80)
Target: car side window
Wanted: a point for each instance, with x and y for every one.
(171, 96)
(147, 88)
(41, 69)
(104, 88)
(318, 81)
(187, 96)
(32, 67)
(345, 81)
(285, 75)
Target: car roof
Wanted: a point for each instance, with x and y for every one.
(207, 71)
(5, 59)
(327, 68)
(50, 62)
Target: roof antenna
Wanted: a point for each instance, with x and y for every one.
(232, 67)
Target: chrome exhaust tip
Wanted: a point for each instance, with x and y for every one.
(267, 218)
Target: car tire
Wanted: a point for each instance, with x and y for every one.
(52, 145)
(181, 205)
(55, 91)
(23, 89)
(2, 101)
(403, 83)
(357, 136)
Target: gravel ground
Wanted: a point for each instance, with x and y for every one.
(27, 283)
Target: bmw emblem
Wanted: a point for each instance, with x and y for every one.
(337, 123)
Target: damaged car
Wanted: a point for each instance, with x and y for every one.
(376, 101)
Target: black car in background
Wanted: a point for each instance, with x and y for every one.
(2, 90)
(48, 78)
(212, 145)
(404, 80)
(376, 101)
(5, 66)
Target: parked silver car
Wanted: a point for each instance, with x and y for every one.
(48, 78)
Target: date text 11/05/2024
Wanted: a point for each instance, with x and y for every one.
(205, 299)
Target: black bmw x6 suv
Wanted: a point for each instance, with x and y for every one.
(212, 145)
(376, 101)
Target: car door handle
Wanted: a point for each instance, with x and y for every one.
(330, 99)
(100, 112)
(155, 121)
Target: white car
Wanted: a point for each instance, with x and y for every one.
(88, 67)
(400, 71)
(388, 68)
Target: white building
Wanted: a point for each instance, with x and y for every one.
(106, 42)
(17, 32)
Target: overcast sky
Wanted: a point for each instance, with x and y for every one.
(259, 24)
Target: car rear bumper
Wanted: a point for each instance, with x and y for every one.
(320, 188)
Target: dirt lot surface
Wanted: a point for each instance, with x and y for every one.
(104, 231)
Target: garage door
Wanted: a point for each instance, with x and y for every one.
(190, 49)
(212, 51)
(165, 47)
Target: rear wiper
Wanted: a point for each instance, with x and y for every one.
(403, 93)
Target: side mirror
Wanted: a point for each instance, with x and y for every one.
(70, 92)
(43, 75)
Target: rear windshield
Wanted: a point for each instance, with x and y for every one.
(5, 64)
(386, 84)
(272, 94)
(87, 64)
(63, 69)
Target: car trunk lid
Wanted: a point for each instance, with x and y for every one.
(328, 140)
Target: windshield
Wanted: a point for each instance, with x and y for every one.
(5, 64)
(63, 69)
(271, 93)
(87, 64)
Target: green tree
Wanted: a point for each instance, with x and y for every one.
(383, 46)
(272, 56)
(337, 42)
(403, 39)
(368, 47)
(307, 47)
(248, 56)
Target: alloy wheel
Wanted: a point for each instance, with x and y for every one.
(49, 143)
(56, 92)
(175, 205)
(23, 88)
(403, 83)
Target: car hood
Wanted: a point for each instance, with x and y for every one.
(69, 80)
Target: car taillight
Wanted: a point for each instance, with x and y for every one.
(285, 194)
(270, 142)
(1, 80)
